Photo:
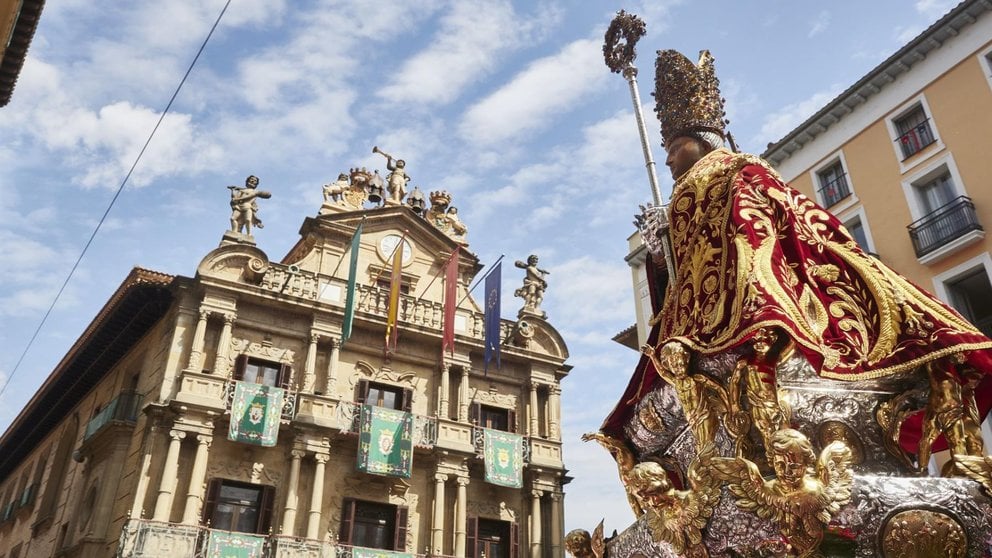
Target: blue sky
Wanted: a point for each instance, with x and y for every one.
(507, 105)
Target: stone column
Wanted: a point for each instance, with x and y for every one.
(437, 529)
(463, 395)
(534, 428)
(535, 523)
(442, 402)
(144, 473)
(332, 368)
(554, 411)
(461, 516)
(292, 498)
(194, 496)
(556, 524)
(167, 487)
(196, 351)
(316, 496)
(224, 346)
(310, 368)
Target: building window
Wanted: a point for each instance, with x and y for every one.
(857, 232)
(945, 215)
(491, 538)
(914, 131)
(384, 395)
(238, 506)
(971, 295)
(258, 371)
(373, 525)
(495, 418)
(833, 184)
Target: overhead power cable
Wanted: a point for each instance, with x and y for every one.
(113, 200)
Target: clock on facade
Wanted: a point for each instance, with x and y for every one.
(387, 245)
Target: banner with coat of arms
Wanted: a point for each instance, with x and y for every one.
(225, 544)
(255, 414)
(504, 453)
(385, 443)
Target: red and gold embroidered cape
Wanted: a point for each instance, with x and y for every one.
(751, 252)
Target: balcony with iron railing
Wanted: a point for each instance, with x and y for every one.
(123, 409)
(834, 191)
(915, 139)
(142, 538)
(288, 401)
(479, 442)
(424, 427)
(946, 224)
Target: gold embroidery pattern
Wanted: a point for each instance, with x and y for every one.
(750, 252)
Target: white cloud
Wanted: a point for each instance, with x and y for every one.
(591, 291)
(778, 124)
(934, 9)
(820, 24)
(466, 47)
(546, 88)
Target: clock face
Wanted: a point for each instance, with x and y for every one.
(388, 244)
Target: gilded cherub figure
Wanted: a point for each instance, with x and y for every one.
(805, 493)
(580, 544)
(703, 399)
(754, 379)
(625, 464)
(679, 516)
(952, 411)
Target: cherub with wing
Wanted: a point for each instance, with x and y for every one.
(679, 516)
(805, 493)
(625, 463)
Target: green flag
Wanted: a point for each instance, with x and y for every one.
(349, 305)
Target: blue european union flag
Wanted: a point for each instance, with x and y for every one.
(491, 321)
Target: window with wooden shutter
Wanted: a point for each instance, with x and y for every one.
(210, 501)
(407, 404)
(511, 421)
(472, 537)
(514, 541)
(285, 376)
(363, 391)
(347, 520)
(240, 364)
(399, 543)
(474, 413)
(265, 509)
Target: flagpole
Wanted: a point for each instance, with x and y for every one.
(480, 279)
(436, 275)
(337, 267)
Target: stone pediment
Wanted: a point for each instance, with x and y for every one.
(536, 334)
(234, 262)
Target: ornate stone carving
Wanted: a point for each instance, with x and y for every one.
(364, 370)
(264, 351)
(533, 288)
(491, 397)
(492, 509)
(244, 207)
(445, 218)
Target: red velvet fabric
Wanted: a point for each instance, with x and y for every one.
(752, 252)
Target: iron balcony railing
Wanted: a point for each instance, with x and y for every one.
(424, 427)
(913, 141)
(124, 408)
(288, 401)
(479, 442)
(947, 223)
(832, 192)
(142, 538)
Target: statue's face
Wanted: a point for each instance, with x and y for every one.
(790, 467)
(532, 260)
(578, 543)
(401, 163)
(683, 152)
(252, 181)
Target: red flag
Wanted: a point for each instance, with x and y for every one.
(450, 303)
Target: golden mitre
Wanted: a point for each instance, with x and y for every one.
(687, 95)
